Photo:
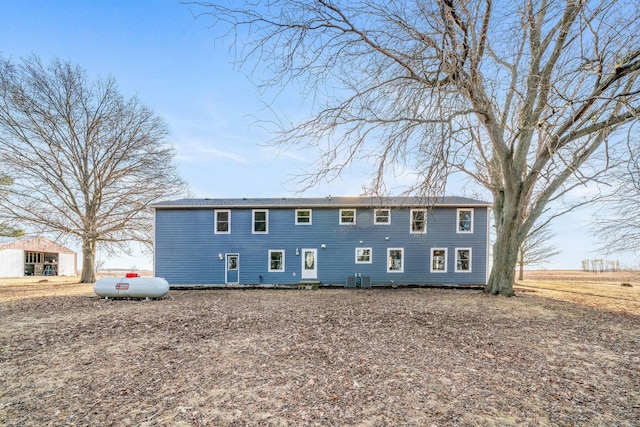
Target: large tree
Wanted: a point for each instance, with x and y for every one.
(518, 94)
(85, 162)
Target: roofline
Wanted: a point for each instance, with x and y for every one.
(368, 202)
(59, 248)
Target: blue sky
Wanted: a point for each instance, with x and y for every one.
(174, 63)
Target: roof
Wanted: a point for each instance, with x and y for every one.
(35, 244)
(350, 202)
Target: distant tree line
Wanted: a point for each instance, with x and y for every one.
(600, 265)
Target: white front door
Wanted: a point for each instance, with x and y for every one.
(309, 264)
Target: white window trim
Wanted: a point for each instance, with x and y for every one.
(253, 221)
(470, 259)
(424, 211)
(370, 256)
(446, 260)
(458, 221)
(310, 216)
(355, 214)
(375, 217)
(215, 221)
(389, 254)
(269, 261)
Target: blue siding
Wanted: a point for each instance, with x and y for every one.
(186, 248)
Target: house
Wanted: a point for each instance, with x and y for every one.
(36, 256)
(346, 241)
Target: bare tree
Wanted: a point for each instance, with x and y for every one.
(5, 229)
(617, 224)
(536, 249)
(585, 265)
(85, 162)
(518, 95)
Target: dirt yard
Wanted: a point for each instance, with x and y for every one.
(563, 352)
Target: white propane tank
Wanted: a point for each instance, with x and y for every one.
(131, 286)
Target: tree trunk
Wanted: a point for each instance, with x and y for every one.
(521, 270)
(521, 255)
(88, 261)
(505, 253)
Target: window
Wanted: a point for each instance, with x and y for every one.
(260, 221)
(395, 260)
(347, 217)
(363, 256)
(34, 257)
(276, 260)
(465, 221)
(418, 221)
(381, 216)
(223, 222)
(438, 260)
(303, 216)
(232, 262)
(463, 260)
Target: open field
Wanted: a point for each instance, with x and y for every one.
(599, 290)
(563, 352)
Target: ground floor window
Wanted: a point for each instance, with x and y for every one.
(363, 256)
(463, 260)
(276, 260)
(439, 260)
(395, 257)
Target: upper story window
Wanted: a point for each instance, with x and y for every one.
(222, 220)
(382, 216)
(418, 221)
(303, 216)
(347, 217)
(260, 221)
(464, 221)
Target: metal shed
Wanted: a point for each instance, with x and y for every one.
(36, 256)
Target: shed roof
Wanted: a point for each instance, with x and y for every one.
(310, 202)
(35, 244)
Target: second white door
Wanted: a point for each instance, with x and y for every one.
(309, 264)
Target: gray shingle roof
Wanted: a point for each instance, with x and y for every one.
(309, 202)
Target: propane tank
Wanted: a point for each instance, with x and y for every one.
(131, 286)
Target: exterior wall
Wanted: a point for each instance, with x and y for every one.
(67, 265)
(187, 250)
(11, 263)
